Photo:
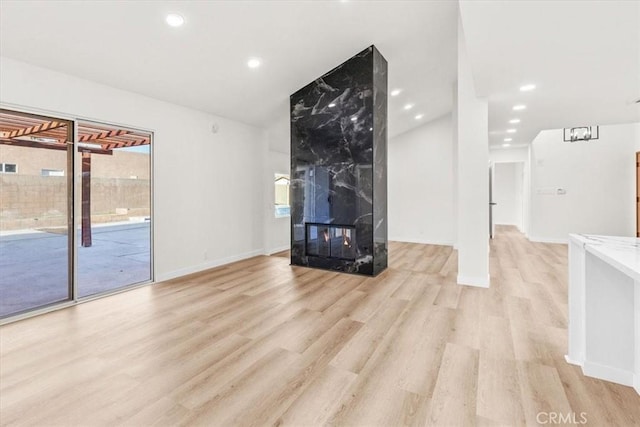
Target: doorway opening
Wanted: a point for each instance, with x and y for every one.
(638, 194)
(508, 194)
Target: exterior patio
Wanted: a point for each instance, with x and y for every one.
(119, 256)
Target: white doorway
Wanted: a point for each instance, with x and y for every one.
(508, 194)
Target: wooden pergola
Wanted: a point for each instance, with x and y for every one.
(28, 130)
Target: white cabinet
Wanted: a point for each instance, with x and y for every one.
(604, 307)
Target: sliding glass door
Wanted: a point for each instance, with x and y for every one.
(35, 182)
(75, 210)
(114, 215)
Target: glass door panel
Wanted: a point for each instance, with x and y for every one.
(35, 165)
(113, 188)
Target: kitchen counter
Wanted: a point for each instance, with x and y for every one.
(604, 307)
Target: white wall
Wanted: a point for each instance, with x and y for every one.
(473, 176)
(509, 155)
(277, 230)
(599, 180)
(207, 186)
(420, 184)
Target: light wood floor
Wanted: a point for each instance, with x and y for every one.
(260, 343)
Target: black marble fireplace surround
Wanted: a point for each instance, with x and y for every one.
(339, 168)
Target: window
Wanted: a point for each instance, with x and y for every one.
(281, 191)
(8, 168)
(51, 172)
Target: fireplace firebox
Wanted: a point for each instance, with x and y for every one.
(330, 241)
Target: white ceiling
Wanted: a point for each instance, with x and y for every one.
(203, 63)
(584, 57)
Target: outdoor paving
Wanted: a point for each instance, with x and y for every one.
(34, 271)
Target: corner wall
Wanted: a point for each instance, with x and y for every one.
(473, 176)
(208, 186)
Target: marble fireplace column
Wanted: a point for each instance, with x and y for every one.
(339, 168)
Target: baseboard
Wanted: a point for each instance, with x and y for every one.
(608, 373)
(423, 242)
(636, 383)
(479, 282)
(547, 240)
(572, 361)
(207, 265)
(278, 249)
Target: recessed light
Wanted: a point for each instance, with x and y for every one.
(408, 106)
(511, 131)
(508, 139)
(332, 105)
(419, 116)
(519, 107)
(514, 121)
(354, 118)
(506, 145)
(253, 63)
(396, 92)
(527, 88)
(371, 129)
(174, 20)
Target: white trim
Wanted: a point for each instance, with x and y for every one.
(423, 242)
(547, 240)
(207, 265)
(636, 383)
(607, 373)
(278, 249)
(479, 282)
(573, 362)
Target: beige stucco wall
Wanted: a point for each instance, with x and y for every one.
(121, 164)
(120, 188)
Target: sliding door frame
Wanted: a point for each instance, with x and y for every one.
(73, 215)
(78, 208)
